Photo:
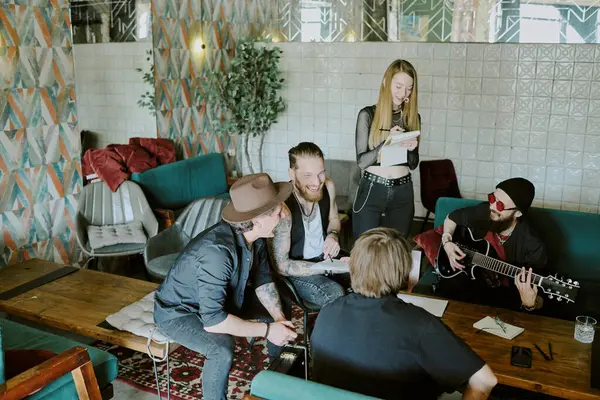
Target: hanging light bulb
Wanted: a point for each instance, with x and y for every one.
(351, 36)
(198, 45)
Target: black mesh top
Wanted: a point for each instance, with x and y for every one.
(365, 157)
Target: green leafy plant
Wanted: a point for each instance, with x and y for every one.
(147, 99)
(247, 93)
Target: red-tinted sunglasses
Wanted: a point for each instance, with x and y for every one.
(499, 205)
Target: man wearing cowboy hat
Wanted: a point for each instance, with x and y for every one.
(222, 279)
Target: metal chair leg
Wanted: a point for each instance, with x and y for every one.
(424, 222)
(306, 333)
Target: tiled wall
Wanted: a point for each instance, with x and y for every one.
(496, 110)
(178, 31)
(108, 89)
(40, 167)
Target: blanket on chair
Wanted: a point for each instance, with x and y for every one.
(115, 163)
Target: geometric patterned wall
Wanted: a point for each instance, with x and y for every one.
(40, 166)
(179, 68)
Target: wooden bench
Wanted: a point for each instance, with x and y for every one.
(76, 303)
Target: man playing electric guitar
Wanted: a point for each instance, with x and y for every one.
(501, 221)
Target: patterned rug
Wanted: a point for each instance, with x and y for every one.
(136, 369)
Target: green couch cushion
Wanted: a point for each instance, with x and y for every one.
(19, 336)
(271, 385)
(571, 237)
(176, 185)
(1, 358)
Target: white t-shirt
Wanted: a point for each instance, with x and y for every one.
(313, 235)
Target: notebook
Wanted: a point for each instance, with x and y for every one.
(336, 266)
(393, 153)
(489, 325)
(397, 137)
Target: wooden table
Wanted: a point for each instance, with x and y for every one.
(568, 376)
(77, 302)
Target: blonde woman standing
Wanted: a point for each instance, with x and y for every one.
(385, 194)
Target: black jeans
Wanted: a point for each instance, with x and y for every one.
(378, 205)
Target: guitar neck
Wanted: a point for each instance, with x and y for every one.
(502, 267)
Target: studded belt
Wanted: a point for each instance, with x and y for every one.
(387, 182)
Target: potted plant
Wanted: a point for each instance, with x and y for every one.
(247, 93)
(147, 99)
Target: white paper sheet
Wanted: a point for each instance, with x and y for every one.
(489, 325)
(432, 306)
(398, 137)
(335, 266)
(393, 154)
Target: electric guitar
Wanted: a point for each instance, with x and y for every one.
(480, 253)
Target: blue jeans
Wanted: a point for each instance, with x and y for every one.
(218, 348)
(320, 289)
(377, 205)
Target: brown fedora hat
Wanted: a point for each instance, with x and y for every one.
(253, 195)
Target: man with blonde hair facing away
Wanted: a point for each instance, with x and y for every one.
(373, 343)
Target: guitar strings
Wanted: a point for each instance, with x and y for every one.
(501, 265)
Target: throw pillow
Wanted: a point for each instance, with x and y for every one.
(430, 241)
(108, 235)
(19, 361)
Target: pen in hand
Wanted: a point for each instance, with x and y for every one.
(330, 258)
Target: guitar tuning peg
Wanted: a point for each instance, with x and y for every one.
(575, 283)
(550, 296)
(569, 280)
(559, 299)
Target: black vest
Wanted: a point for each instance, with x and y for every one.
(297, 234)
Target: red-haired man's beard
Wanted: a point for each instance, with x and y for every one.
(309, 192)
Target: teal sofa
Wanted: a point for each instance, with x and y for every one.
(174, 186)
(573, 245)
(16, 336)
(271, 385)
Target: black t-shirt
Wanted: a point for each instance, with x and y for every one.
(388, 349)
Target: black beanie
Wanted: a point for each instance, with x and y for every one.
(520, 191)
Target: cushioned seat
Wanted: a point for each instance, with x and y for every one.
(271, 385)
(138, 318)
(160, 266)
(117, 249)
(18, 336)
(98, 206)
(175, 185)
(163, 249)
(571, 240)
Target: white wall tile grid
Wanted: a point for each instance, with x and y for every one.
(495, 110)
(108, 88)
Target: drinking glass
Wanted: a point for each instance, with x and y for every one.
(584, 329)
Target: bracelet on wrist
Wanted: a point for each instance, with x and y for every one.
(268, 329)
(333, 232)
(446, 242)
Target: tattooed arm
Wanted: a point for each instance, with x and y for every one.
(279, 247)
(269, 298)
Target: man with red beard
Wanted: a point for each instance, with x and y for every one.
(502, 222)
(309, 232)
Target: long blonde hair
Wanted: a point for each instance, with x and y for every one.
(380, 263)
(383, 110)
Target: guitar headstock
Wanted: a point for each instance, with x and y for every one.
(560, 288)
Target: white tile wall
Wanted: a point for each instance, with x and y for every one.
(496, 110)
(108, 88)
